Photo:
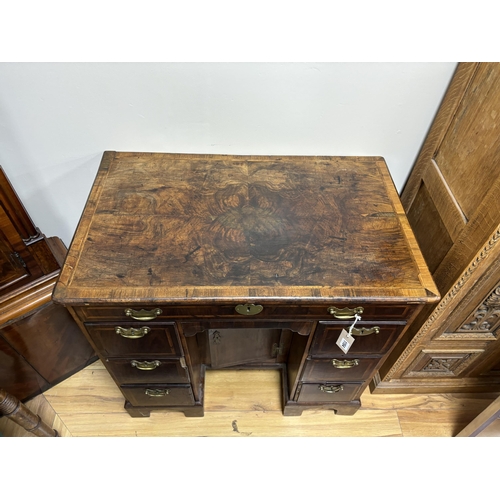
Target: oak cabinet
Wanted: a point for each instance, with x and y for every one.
(452, 199)
(187, 263)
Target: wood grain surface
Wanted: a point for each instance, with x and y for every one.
(181, 227)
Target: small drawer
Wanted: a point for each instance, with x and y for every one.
(142, 370)
(242, 310)
(132, 339)
(366, 339)
(328, 392)
(143, 314)
(339, 369)
(158, 395)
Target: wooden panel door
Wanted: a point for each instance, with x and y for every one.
(452, 200)
(452, 197)
(239, 346)
(24, 254)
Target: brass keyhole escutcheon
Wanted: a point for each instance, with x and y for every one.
(248, 309)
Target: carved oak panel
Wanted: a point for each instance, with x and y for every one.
(441, 363)
(486, 318)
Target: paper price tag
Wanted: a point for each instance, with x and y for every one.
(345, 341)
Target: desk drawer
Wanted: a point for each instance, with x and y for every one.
(328, 392)
(342, 370)
(368, 342)
(127, 339)
(159, 395)
(141, 370)
(160, 312)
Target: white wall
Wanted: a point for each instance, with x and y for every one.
(56, 119)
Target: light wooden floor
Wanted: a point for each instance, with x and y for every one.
(244, 404)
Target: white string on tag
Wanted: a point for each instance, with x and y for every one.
(357, 317)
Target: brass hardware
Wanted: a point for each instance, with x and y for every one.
(132, 333)
(277, 350)
(183, 362)
(345, 363)
(145, 365)
(248, 309)
(143, 315)
(363, 332)
(156, 393)
(331, 389)
(345, 313)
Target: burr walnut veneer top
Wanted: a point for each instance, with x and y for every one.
(182, 228)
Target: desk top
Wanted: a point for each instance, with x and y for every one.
(185, 228)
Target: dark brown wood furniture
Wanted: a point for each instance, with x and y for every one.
(452, 199)
(40, 343)
(183, 263)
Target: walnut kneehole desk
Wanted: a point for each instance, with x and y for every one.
(183, 263)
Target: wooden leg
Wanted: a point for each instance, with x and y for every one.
(292, 411)
(16, 411)
(136, 412)
(196, 411)
(142, 412)
(348, 408)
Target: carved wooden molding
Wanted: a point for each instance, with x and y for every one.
(429, 364)
(486, 316)
(482, 324)
(442, 307)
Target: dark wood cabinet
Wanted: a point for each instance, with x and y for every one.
(187, 263)
(40, 343)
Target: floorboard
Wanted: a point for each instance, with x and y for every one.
(244, 404)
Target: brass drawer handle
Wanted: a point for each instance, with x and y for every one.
(143, 315)
(345, 363)
(363, 332)
(345, 313)
(331, 389)
(145, 365)
(156, 393)
(248, 309)
(132, 333)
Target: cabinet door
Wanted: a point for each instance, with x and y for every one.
(25, 255)
(51, 341)
(452, 197)
(238, 346)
